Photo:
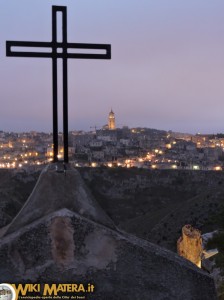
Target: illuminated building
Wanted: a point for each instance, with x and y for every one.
(111, 121)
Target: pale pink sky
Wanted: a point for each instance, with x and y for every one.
(166, 72)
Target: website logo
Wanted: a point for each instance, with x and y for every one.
(7, 292)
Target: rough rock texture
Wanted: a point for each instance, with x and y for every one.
(156, 204)
(55, 190)
(15, 188)
(49, 243)
(120, 265)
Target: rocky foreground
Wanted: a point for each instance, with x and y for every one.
(63, 235)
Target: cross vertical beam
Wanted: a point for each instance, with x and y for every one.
(54, 84)
(54, 55)
(65, 84)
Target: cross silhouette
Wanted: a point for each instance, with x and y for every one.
(59, 50)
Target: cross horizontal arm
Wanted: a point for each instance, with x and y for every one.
(64, 46)
(105, 47)
(10, 52)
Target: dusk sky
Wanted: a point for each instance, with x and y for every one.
(166, 72)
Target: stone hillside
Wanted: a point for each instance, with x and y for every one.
(61, 234)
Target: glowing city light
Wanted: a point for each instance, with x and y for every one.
(195, 167)
(218, 168)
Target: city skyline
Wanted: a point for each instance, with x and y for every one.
(166, 70)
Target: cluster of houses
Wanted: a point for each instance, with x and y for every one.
(124, 147)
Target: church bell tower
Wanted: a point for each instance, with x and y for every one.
(111, 121)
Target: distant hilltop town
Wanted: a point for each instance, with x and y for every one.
(116, 147)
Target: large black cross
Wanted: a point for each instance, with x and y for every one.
(63, 53)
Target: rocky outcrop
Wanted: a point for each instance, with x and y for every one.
(62, 235)
(66, 247)
(55, 190)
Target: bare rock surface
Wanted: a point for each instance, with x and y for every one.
(15, 187)
(56, 189)
(63, 235)
(120, 266)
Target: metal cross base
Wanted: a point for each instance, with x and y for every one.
(64, 47)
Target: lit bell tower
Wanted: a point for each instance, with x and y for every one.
(111, 121)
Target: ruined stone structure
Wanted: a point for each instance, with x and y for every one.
(189, 245)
